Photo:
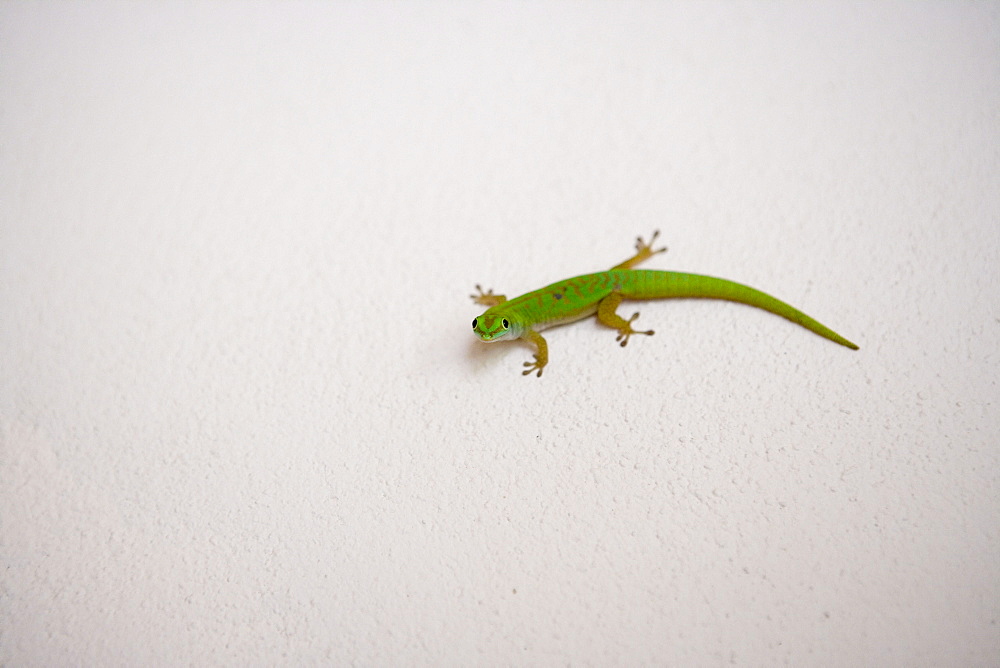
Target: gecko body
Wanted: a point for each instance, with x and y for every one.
(602, 292)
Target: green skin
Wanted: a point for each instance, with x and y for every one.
(601, 293)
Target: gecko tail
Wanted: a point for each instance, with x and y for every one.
(670, 284)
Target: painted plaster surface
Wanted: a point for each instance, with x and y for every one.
(244, 420)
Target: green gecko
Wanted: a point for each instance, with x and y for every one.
(601, 293)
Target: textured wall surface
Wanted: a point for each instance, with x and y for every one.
(243, 419)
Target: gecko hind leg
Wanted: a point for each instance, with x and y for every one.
(606, 314)
(644, 251)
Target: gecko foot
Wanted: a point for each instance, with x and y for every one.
(646, 249)
(627, 331)
(537, 365)
(487, 298)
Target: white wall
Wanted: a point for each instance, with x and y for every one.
(244, 419)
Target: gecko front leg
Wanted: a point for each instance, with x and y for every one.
(487, 298)
(541, 357)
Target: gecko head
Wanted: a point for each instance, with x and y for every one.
(493, 328)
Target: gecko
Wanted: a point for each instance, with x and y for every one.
(602, 292)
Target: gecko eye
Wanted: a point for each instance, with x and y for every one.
(506, 325)
(475, 323)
